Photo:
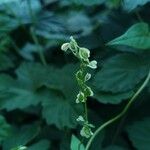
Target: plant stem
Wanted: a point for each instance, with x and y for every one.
(121, 114)
(85, 109)
(33, 35)
(40, 50)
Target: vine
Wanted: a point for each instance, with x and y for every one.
(146, 81)
(82, 76)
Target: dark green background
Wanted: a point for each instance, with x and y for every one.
(37, 80)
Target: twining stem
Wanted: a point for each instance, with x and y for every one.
(121, 114)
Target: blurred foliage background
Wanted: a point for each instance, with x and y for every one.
(37, 82)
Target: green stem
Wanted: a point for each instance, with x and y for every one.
(83, 69)
(121, 114)
(34, 37)
(40, 50)
(85, 110)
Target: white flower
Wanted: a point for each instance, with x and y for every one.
(80, 97)
(84, 53)
(89, 91)
(65, 47)
(80, 118)
(22, 148)
(79, 75)
(87, 77)
(93, 64)
(86, 132)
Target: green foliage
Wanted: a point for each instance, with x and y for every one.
(5, 129)
(20, 136)
(38, 87)
(112, 98)
(88, 2)
(139, 134)
(41, 145)
(130, 5)
(5, 62)
(137, 36)
(75, 143)
(115, 148)
(122, 73)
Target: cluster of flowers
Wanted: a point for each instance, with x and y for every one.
(82, 77)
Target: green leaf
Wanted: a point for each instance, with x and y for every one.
(5, 62)
(58, 98)
(22, 92)
(139, 134)
(75, 143)
(87, 2)
(33, 74)
(113, 3)
(8, 24)
(15, 94)
(19, 10)
(5, 129)
(7, 1)
(50, 26)
(137, 36)
(60, 109)
(114, 147)
(27, 51)
(122, 73)
(41, 145)
(112, 98)
(130, 5)
(75, 18)
(21, 137)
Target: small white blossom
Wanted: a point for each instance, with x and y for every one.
(86, 132)
(79, 74)
(80, 118)
(22, 148)
(80, 97)
(93, 64)
(65, 47)
(89, 91)
(87, 77)
(84, 53)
